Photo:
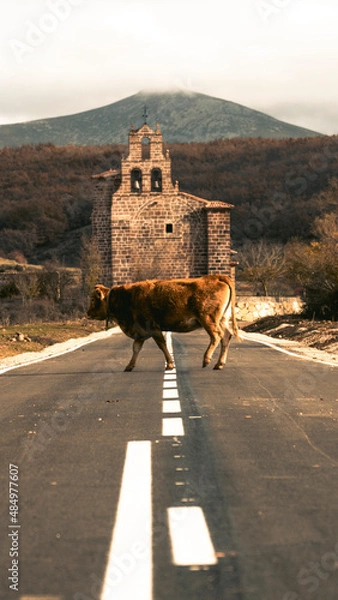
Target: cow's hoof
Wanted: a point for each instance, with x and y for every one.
(218, 367)
(170, 367)
(128, 368)
(205, 363)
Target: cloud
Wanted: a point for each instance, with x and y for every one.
(87, 54)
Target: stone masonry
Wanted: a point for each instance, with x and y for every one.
(145, 227)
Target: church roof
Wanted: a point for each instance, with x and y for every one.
(208, 203)
(107, 174)
(218, 204)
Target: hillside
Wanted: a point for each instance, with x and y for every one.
(45, 196)
(184, 117)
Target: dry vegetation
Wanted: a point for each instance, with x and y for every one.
(32, 338)
(274, 184)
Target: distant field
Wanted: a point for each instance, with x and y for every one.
(40, 335)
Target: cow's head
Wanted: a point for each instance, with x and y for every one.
(98, 303)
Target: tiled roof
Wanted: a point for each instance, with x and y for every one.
(218, 204)
(106, 174)
(207, 203)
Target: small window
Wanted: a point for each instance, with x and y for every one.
(169, 228)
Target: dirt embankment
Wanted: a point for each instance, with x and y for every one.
(322, 335)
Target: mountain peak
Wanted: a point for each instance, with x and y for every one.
(184, 116)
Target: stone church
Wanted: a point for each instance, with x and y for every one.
(145, 227)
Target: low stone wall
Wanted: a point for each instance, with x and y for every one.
(251, 308)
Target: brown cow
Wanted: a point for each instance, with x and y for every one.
(145, 309)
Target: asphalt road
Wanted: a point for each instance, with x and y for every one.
(194, 485)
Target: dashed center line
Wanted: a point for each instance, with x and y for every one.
(191, 543)
(169, 384)
(171, 406)
(172, 393)
(172, 426)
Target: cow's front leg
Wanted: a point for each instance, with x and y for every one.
(158, 337)
(137, 347)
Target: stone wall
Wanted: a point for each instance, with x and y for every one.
(251, 308)
(218, 235)
(158, 235)
(101, 223)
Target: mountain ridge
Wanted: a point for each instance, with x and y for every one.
(183, 117)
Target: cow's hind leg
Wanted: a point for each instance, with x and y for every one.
(158, 337)
(216, 335)
(225, 343)
(137, 347)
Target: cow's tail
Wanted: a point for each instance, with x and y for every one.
(235, 329)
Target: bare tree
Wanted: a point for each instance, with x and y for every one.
(262, 263)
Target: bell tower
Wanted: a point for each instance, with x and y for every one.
(146, 169)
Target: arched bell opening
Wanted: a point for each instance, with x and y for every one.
(156, 180)
(136, 181)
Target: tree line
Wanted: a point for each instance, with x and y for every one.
(284, 194)
(275, 186)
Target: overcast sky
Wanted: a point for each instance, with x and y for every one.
(65, 56)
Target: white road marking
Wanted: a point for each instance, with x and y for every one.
(170, 394)
(190, 538)
(172, 426)
(260, 339)
(171, 406)
(168, 376)
(129, 568)
(169, 384)
(30, 358)
(40, 598)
